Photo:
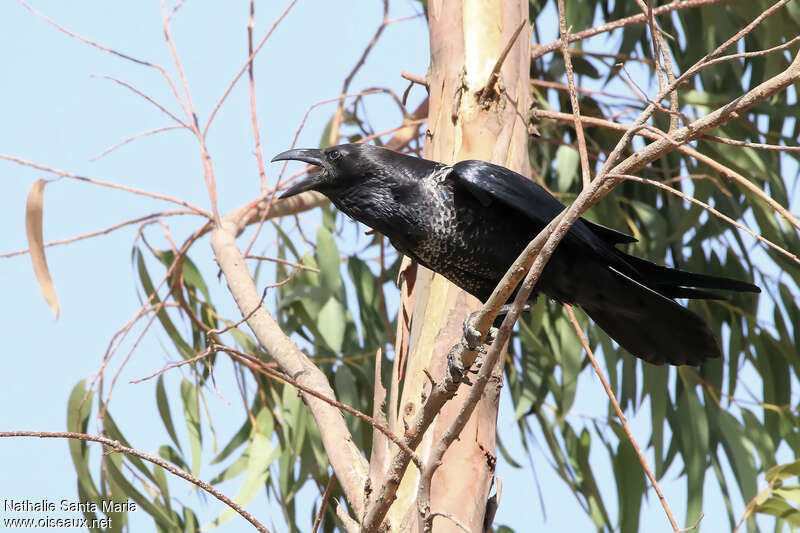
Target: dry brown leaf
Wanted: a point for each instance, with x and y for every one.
(33, 228)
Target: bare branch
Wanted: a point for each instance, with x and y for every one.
(253, 114)
(246, 65)
(70, 175)
(539, 51)
(133, 138)
(622, 419)
(652, 133)
(103, 231)
(115, 446)
(485, 95)
(325, 496)
(711, 210)
(103, 48)
(708, 58)
(337, 117)
(264, 368)
(145, 96)
(573, 96)
(283, 262)
(348, 463)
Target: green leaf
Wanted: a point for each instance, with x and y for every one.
(163, 485)
(630, 487)
(783, 471)
(778, 507)
(331, 324)
(739, 450)
(79, 407)
(369, 302)
(567, 163)
(159, 513)
(191, 412)
(325, 140)
(506, 455)
(238, 439)
(113, 432)
(183, 347)
(164, 412)
(168, 453)
(261, 455)
(328, 260)
(190, 522)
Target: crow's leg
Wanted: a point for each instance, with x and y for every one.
(472, 335)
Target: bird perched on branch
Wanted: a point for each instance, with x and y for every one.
(470, 221)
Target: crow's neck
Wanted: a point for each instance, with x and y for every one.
(392, 205)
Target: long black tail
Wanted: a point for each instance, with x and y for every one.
(675, 283)
(641, 315)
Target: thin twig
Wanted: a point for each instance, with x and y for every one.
(707, 60)
(188, 107)
(622, 419)
(260, 366)
(757, 53)
(722, 169)
(253, 114)
(452, 518)
(101, 183)
(238, 75)
(104, 48)
(711, 210)
(270, 197)
(573, 96)
(283, 262)
(337, 116)
(539, 51)
(176, 364)
(145, 96)
(158, 308)
(325, 496)
(120, 335)
(748, 144)
(191, 115)
(115, 446)
(486, 94)
(104, 231)
(133, 138)
(413, 78)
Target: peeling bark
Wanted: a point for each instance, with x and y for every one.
(467, 39)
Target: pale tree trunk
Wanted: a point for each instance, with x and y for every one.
(467, 39)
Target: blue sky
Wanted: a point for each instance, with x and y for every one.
(55, 111)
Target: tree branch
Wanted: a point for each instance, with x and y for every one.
(539, 51)
(117, 447)
(345, 457)
(622, 419)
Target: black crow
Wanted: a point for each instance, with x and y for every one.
(469, 222)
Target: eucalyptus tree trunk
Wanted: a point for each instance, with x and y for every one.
(473, 115)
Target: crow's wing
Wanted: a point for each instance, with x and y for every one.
(490, 183)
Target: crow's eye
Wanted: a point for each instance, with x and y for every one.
(333, 155)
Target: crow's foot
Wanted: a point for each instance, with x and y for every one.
(454, 366)
(472, 336)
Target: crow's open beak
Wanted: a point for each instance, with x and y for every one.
(311, 156)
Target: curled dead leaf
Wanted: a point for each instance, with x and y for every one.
(33, 228)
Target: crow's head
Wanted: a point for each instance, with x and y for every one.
(342, 167)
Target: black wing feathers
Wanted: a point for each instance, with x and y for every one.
(488, 182)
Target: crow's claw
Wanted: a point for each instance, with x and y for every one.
(491, 335)
(472, 336)
(454, 365)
